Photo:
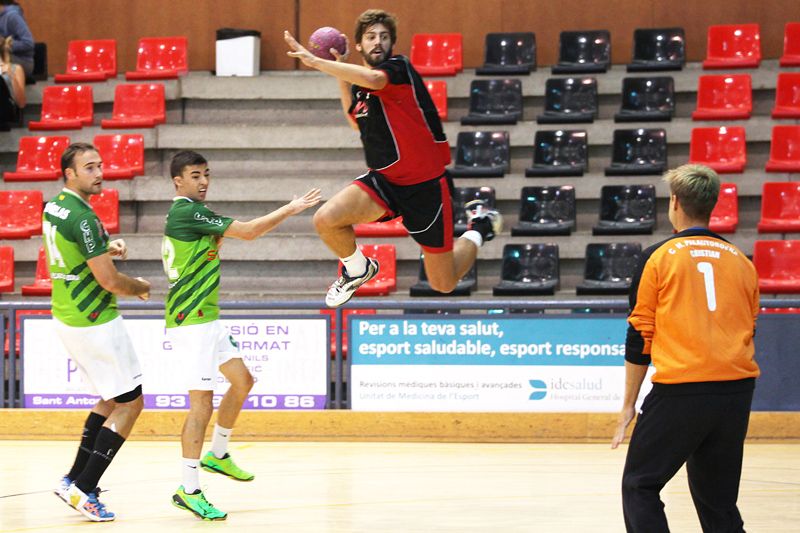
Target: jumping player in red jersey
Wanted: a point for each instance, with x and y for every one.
(406, 152)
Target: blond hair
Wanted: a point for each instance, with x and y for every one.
(5, 49)
(696, 187)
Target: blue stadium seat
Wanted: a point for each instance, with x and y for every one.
(638, 152)
(626, 210)
(509, 54)
(647, 100)
(569, 101)
(583, 52)
(559, 153)
(483, 154)
(658, 49)
(528, 270)
(609, 267)
(546, 211)
(494, 102)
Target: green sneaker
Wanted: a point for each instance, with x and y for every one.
(197, 504)
(225, 466)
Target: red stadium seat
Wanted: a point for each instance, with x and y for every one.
(724, 97)
(780, 207)
(722, 149)
(787, 96)
(160, 58)
(106, 205)
(390, 228)
(90, 61)
(123, 155)
(65, 108)
(38, 159)
(137, 106)
(20, 214)
(784, 152)
(18, 321)
(345, 315)
(791, 45)
(6, 269)
(438, 91)
(386, 280)
(778, 266)
(733, 46)
(437, 54)
(725, 216)
(42, 284)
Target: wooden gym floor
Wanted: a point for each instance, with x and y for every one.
(383, 487)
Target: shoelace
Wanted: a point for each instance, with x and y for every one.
(205, 504)
(100, 507)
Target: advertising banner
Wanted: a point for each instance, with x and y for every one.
(288, 357)
(488, 363)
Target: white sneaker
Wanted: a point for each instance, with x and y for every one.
(481, 218)
(343, 288)
(63, 488)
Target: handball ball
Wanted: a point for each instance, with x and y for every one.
(325, 38)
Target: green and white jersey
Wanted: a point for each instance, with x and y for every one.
(191, 260)
(72, 234)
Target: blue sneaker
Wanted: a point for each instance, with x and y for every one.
(88, 505)
(63, 488)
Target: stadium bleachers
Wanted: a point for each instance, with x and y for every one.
(258, 166)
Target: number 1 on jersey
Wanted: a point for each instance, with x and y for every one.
(708, 277)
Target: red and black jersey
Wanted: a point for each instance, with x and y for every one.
(400, 128)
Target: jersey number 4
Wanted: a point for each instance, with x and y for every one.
(53, 254)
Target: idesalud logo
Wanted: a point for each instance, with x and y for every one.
(539, 389)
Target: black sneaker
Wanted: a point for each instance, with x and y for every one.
(486, 221)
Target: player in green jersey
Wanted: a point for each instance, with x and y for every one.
(190, 251)
(85, 286)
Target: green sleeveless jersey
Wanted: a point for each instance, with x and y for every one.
(72, 234)
(191, 261)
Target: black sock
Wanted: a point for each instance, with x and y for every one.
(106, 447)
(90, 429)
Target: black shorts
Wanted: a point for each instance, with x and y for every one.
(426, 208)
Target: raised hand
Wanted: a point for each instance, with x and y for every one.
(309, 199)
(299, 51)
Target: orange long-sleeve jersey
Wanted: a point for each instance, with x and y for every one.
(694, 303)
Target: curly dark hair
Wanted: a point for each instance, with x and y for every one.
(370, 17)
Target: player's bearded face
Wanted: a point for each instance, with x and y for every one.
(376, 45)
(87, 173)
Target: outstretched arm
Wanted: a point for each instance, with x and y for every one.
(259, 226)
(355, 74)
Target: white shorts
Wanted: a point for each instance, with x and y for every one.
(104, 355)
(202, 349)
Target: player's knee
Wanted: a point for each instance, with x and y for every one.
(323, 219)
(244, 383)
(445, 285)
